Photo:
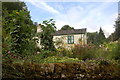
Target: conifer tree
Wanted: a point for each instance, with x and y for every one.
(117, 29)
(101, 36)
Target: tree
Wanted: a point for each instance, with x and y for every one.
(117, 29)
(66, 27)
(92, 38)
(7, 8)
(21, 31)
(10, 6)
(101, 36)
(111, 37)
(96, 38)
(18, 28)
(46, 37)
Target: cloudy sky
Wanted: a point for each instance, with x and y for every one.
(90, 15)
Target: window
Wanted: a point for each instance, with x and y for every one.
(70, 39)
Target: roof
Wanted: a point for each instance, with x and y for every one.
(72, 31)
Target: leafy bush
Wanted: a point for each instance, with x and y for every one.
(84, 51)
(39, 58)
(101, 52)
(48, 28)
(117, 53)
(64, 52)
(47, 53)
(18, 33)
(113, 49)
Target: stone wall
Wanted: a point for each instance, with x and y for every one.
(79, 71)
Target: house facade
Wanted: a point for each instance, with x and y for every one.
(71, 37)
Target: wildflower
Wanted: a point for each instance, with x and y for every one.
(15, 56)
(17, 13)
(9, 52)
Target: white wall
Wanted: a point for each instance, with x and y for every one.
(76, 38)
(83, 37)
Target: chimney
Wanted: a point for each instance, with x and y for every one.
(39, 28)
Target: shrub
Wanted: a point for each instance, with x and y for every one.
(47, 53)
(117, 52)
(113, 49)
(84, 51)
(102, 53)
(64, 52)
(48, 28)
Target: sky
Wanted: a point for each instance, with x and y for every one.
(90, 15)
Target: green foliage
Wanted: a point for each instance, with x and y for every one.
(92, 38)
(18, 29)
(111, 37)
(96, 38)
(7, 8)
(63, 52)
(100, 61)
(117, 51)
(21, 31)
(10, 6)
(101, 36)
(117, 29)
(0, 46)
(47, 53)
(106, 51)
(46, 37)
(112, 49)
(39, 58)
(84, 51)
(55, 59)
(66, 27)
(104, 63)
(116, 34)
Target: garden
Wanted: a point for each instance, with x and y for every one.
(83, 62)
(21, 58)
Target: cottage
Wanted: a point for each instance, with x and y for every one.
(73, 36)
(69, 37)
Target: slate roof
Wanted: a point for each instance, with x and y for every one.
(67, 32)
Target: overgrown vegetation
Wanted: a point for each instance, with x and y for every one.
(99, 59)
(48, 28)
(18, 30)
(96, 38)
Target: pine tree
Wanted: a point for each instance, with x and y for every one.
(92, 38)
(101, 36)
